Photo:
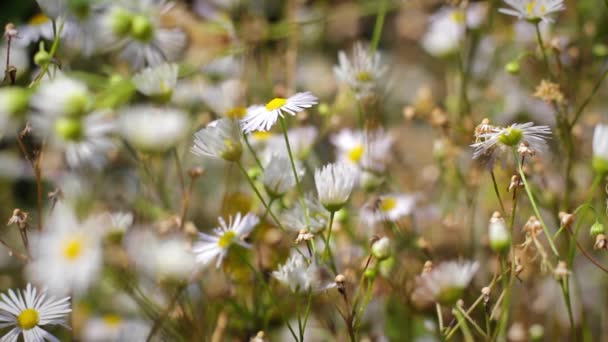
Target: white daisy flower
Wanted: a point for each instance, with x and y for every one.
(600, 148)
(262, 118)
(37, 27)
(28, 310)
(296, 219)
(301, 276)
(220, 139)
(62, 96)
(135, 28)
(363, 73)
(67, 254)
(216, 246)
(115, 225)
(276, 180)
(113, 327)
(157, 81)
(533, 10)
(497, 138)
(153, 129)
(334, 184)
(164, 258)
(391, 207)
(84, 140)
(366, 150)
(444, 284)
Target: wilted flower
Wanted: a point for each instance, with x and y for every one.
(153, 129)
(262, 118)
(334, 184)
(28, 310)
(216, 246)
(533, 10)
(445, 283)
(220, 139)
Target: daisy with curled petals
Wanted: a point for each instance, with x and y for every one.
(27, 310)
(533, 10)
(494, 139)
(216, 246)
(263, 117)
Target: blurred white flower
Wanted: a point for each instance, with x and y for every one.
(20, 58)
(216, 246)
(157, 81)
(296, 219)
(37, 27)
(600, 148)
(153, 129)
(225, 98)
(220, 139)
(27, 310)
(363, 73)
(366, 150)
(301, 140)
(301, 276)
(533, 10)
(114, 328)
(277, 180)
(334, 184)
(390, 207)
(67, 254)
(533, 137)
(263, 117)
(62, 96)
(445, 283)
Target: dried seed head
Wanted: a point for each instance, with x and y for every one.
(533, 227)
(196, 172)
(525, 150)
(561, 270)
(10, 31)
(19, 219)
(549, 92)
(515, 183)
(340, 279)
(600, 242)
(304, 235)
(565, 219)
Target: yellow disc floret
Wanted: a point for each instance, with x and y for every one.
(355, 154)
(388, 204)
(226, 239)
(276, 103)
(28, 319)
(72, 249)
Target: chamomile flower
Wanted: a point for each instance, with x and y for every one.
(112, 327)
(216, 246)
(445, 283)
(296, 219)
(301, 276)
(390, 207)
(363, 73)
(533, 10)
(62, 96)
(276, 180)
(153, 129)
(263, 117)
(84, 140)
(366, 150)
(334, 183)
(600, 148)
(30, 309)
(67, 255)
(494, 139)
(220, 139)
(158, 81)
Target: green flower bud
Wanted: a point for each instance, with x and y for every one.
(370, 273)
(512, 67)
(70, 129)
(142, 28)
(120, 22)
(255, 172)
(537, 332)
(77, 104)
(498, 234)
(511, 136)
(597, 228)
(42, 58)
(323, 109)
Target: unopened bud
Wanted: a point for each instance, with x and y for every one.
(597, 228)
(381, 249)
(196, 172)
(565, 218)
(498, 233)
(561, 270)
(513, 67)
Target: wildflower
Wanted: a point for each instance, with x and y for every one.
(28, 310)
(296, 219)
(301, 276)
(366, 150)
(158, 81)
(220, 139)
(334, 184)
(600, 148)
(276, 180)
(62, 96)
(498, 233)
(112, 327)
(445, 283)
(497, 139)
(549, 92)
(391, 207)
(153, 129)
(263, 117)
(363, 74)
(216, 246)
(533, 10)
(381, 249)
(84, 139)
(67, 255)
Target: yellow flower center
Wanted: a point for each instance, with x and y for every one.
(458, 17)
(356, 153)
(261, 135)
(28, 319)
(112, 320)
(276, 103)
(38, 19)
(226, 239)
(531, 6)
(388, 204)
(364, 76)
(236, 113)
(72, 249)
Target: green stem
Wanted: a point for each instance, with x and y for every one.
(54, 48)
(534, 206)
(255, 156)
(566, 294)
(327, 254)
(466, 332)
(378, 26)
(502, 206)
(597, 86)
(539, 38)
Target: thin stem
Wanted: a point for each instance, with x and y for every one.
(255, 156)
(566, 294)
(378, 26)
(14, 253)
(502, 206)
(539, 38)
(534, 206)
(596, 88)
(439, 317)
(327, 252)
(158, 322)
(257, 192)
(470, 320)
(180, 171)
(466, 332)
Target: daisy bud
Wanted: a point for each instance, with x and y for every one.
(370, 273)
(42, 57)
(10, 31)
(485, 292)
(600, 50)
(142, 28)
(512, 67)
(120, 22)
(196, 172)
(597, 228)
(498, 233)
(515, 183)
(600, 149)
(381, 249)
(600, 242)
(565, 218)
(334, 183)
